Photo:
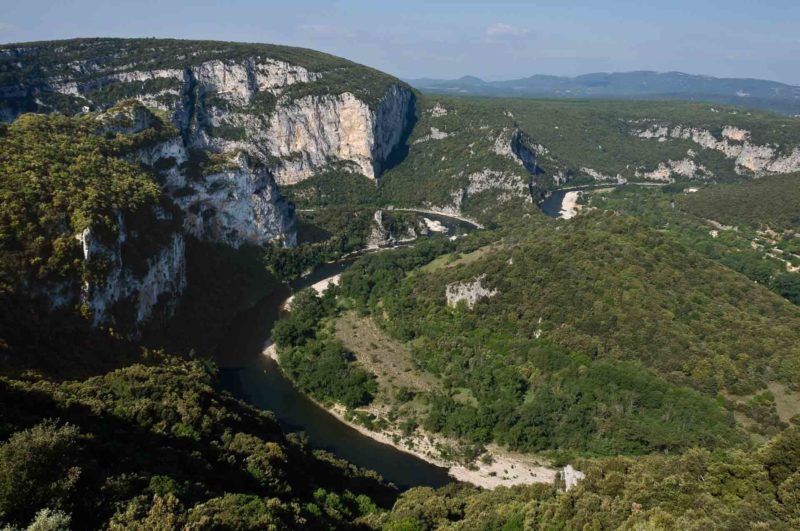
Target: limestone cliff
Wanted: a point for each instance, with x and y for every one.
(311, 132)
(126, 297)
(273, 114)
(220, 125)
(235, 205)
(232, 200)
(734, 143)
(468, 292)
(294, 112)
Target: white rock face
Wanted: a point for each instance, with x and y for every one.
(735, 144)
(274, 74)
(684, 167)
(511, 186)
(314, 131)
(435, 134)
(307, 134)
(230, 80)
(571, 477)
(74, 88)
(170, 150)
(502, 146)
(380, 236)
(236, 206)
(438, 110)
(518, 147)
(165, 275)
(469, 292)
(598, 176)
(734, 133)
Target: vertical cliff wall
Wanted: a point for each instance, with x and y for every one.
(314, 131)
(221, 126)
(293, 113)
(126, 296)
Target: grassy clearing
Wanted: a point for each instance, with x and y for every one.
(787, 403)
(388, 359)
(453, 260)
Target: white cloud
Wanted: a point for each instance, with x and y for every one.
(501, 29)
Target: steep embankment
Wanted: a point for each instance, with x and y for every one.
(83, 226)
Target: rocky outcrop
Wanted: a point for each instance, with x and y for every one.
(599, 176)
(126, 297)
(237, 205)
(666, 170)
(508, 186)
(438, 110)
(520, 148)
(526, 151)
(571, 477)
(383, 234)
(735, 144)
(435, 134)
(468, 292)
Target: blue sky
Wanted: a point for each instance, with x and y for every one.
(493, 40)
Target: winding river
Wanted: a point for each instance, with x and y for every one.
(257, 379)
(553, 204)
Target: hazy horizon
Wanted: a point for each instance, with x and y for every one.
(610, 72)
(447, 39)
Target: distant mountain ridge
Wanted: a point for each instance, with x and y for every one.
(757, 93)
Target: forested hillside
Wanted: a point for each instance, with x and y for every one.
(97, 58)
(652, 341)
(763, 204)
(568, 309)
(731, 224)
(156, 445)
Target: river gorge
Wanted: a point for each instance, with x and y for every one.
(257, 379)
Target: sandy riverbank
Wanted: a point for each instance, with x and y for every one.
(435, 226)
(502, 468)
(569, 205)
(319, 287)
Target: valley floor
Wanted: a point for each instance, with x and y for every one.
(496, 467)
